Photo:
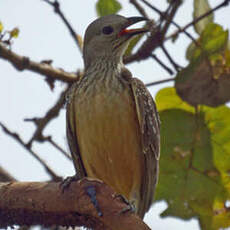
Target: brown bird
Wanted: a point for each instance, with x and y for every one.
(112, 122)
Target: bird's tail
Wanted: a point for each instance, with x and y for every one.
(148, 186)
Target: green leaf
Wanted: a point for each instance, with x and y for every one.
(209, 69)
(195, 161)
(213, 39)
(200, 8)
(167, 98)
(14, 33)
(1, 27)
(190, 52)
(106, 7)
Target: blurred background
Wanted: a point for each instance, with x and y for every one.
(25, 94)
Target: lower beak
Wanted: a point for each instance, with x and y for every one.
(132, 21)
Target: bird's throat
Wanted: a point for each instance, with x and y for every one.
(104, 65)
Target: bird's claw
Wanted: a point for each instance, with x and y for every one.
(130, 206)
(67, 182)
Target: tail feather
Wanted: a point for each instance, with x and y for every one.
(147, 193)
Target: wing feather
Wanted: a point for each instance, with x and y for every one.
(150, 129)
(71, 131)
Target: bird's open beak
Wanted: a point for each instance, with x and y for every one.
(131, 32)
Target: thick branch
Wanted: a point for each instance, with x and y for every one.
(34, 203)
(24, 63)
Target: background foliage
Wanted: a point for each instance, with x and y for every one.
(195, 132)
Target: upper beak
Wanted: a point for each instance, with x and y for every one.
(131, 32)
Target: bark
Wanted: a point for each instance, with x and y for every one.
(40, 203)
(24, 63)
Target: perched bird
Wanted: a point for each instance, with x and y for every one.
(112, 122)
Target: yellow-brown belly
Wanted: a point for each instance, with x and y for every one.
(109, 138)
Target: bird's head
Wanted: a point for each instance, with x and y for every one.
(108, 37)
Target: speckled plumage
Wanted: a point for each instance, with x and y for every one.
(113, 126)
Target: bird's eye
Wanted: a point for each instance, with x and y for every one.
(107, 30)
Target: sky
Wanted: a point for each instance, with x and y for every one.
(27, 95)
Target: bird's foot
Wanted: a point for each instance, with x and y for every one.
(67, 182)
(130, 205)
(91, 192)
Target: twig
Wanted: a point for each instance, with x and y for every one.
(175, 65)
(24, 63)
(162, 64)
(16, 137)
(139, 8)
(146, 49)
(5, 176)
(196, 20)
(159, 82)
(77, 38)
(42, 122)
(55, 145)
(153, 8)
(169, 15)
(157, 38)
(165, 16)
(153, 41)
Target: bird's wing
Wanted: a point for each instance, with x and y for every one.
(71, 131)
(150, 131)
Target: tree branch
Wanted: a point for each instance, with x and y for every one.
(168, 19)
(139, 8)
(149, 45)
(77, 38)
(34, 203)
(24, 63)
(174, 64)
(162, 64)
(155, 39)
(28, 148)
(41, 123)
(55, 145)
(159, 82)
(196, 20)
(5, 176)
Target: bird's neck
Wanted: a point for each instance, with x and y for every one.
(104, 65)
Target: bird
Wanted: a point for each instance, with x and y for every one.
(113, 127)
